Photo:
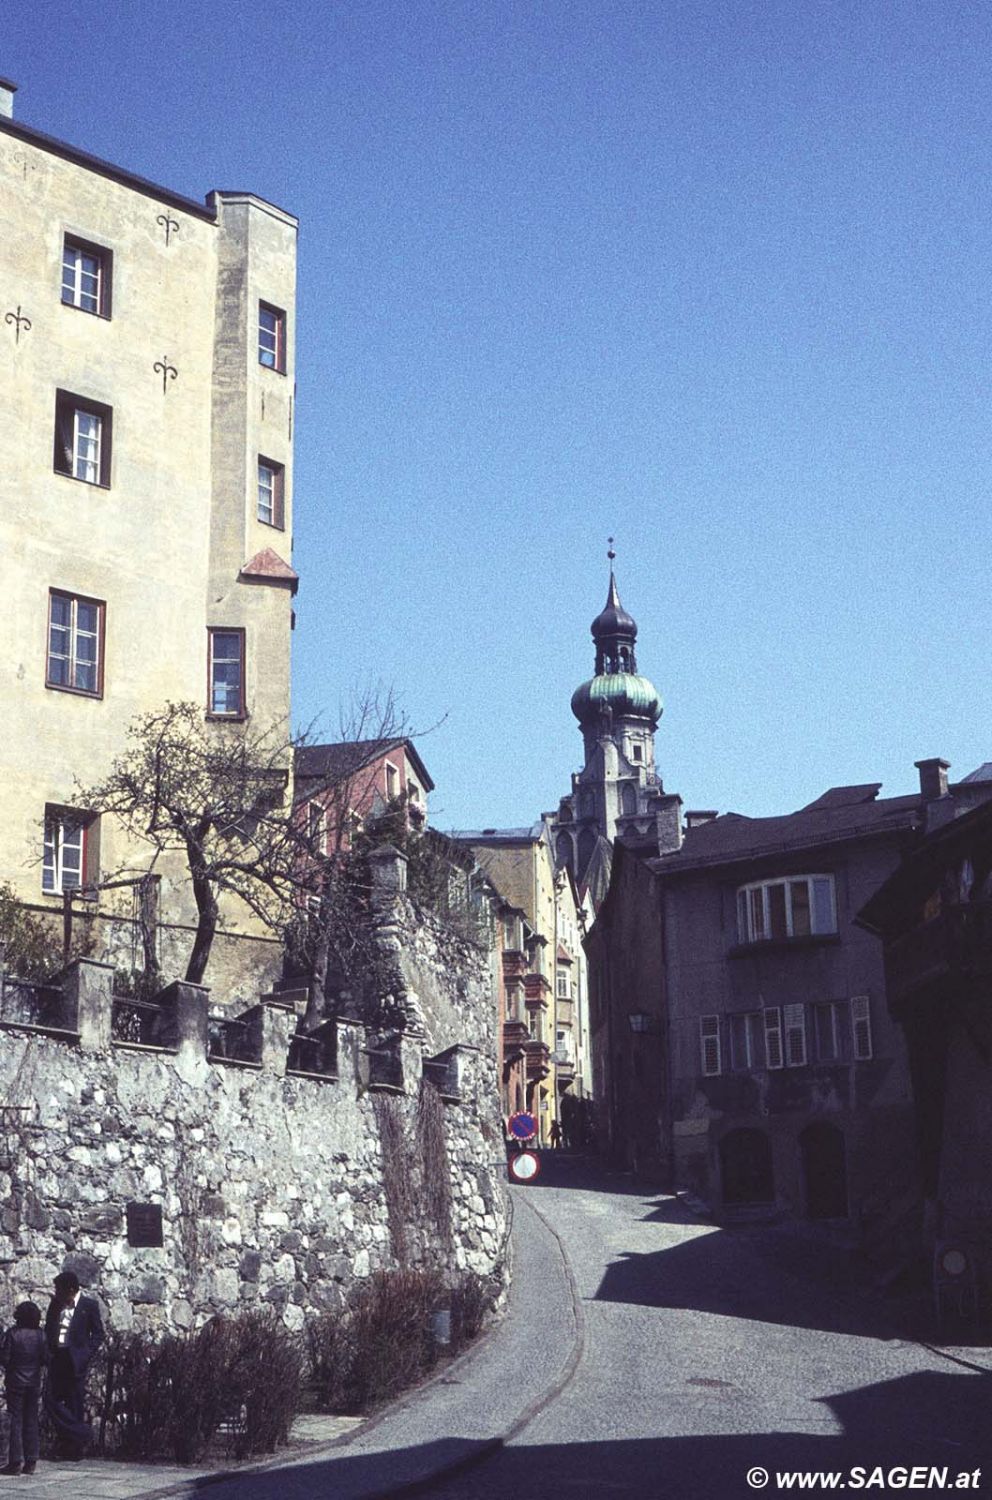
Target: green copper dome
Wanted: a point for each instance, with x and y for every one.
(623, 692)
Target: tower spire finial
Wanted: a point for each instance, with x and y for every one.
(610, 552)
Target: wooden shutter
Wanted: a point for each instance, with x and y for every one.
(861, 1027)
(795, 1036)
(709, 1045)
(773, 1036)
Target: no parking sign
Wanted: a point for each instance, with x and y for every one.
(522, 1125)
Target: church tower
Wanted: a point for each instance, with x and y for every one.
(618, 791)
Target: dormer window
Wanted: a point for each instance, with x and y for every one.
(796, 907)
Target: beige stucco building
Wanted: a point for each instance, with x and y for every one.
(146, 406)
(546, 1010)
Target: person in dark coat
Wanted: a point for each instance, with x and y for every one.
(74, 1331)
(24, 1355)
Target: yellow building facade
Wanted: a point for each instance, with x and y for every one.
(146, 408)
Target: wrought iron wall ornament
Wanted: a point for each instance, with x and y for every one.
(168, 371)
(19, 321)
(171, 226)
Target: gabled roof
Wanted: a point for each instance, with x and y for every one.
(596, 879)
(268, 566)
(891, 905)
(335, 762)
(840, 814)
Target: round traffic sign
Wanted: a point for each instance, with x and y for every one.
(523, 1126)
(525, 1166)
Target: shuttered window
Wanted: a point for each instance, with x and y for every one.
(861, 1027)
(795, 1036)
(773, 1037)
(709, 1045)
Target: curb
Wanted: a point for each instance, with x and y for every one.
(448, 1470)
(524, 1417)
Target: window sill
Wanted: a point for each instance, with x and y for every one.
(784, 945)
(241, 718)
(62, 687)
(94, 484)
(272, 369)
(91, 312)
(272, 525)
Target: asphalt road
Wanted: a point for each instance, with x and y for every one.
(709, 1353)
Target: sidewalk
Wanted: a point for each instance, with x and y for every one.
(471, 1408)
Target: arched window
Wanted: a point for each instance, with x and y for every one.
(746, 1167)
(628, 800)
(587, 843)
(564, 853)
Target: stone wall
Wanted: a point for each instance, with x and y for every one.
(275, 1185)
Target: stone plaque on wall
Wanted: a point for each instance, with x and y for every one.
(144, 1225)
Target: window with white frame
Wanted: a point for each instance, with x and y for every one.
(227, 673)
(272, 337)
(392, 780)
(69, 850)
(270, 493)
(795, 907)
(794, 1025)
(74, 659)
(772, 1017)
(710, 1056)
(561, 980)
(82, 438)
(861, 1027)
(317, 827)
(86, 276)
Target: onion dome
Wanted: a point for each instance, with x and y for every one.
(625, 694)
(616, 686)
(614, 619)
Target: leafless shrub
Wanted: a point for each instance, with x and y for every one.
(237, 1379)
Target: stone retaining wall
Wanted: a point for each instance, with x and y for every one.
(273, 1187)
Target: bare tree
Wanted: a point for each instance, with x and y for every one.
(219, 795)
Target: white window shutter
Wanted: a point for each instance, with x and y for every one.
(773, 1036)
(795, 1036)
(861, 1027)
(709, 1045)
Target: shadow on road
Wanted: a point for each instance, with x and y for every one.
(928, 1419)
(768, 1273)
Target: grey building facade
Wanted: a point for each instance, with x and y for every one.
(771, 1073)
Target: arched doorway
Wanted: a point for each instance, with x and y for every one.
(746, 1167)
(824, 1171)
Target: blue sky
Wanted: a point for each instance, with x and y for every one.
(710, 277)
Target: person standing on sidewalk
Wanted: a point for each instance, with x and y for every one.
(74, 1331)
(24, 1355)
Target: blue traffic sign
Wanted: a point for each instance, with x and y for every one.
(523, 1126)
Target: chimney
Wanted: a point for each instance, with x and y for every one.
(933, 778)
(698, 818)
(7, 92)
(668, 823)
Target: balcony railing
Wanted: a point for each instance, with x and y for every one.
(24, 1002)
(314, 1052)
(136, 1021)
(954, 947)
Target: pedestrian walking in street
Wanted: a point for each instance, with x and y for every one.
(24, 1356)
(555, 1134)
(74, 1331)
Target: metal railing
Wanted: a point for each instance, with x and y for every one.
(136, 1021)
(29, 1002)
